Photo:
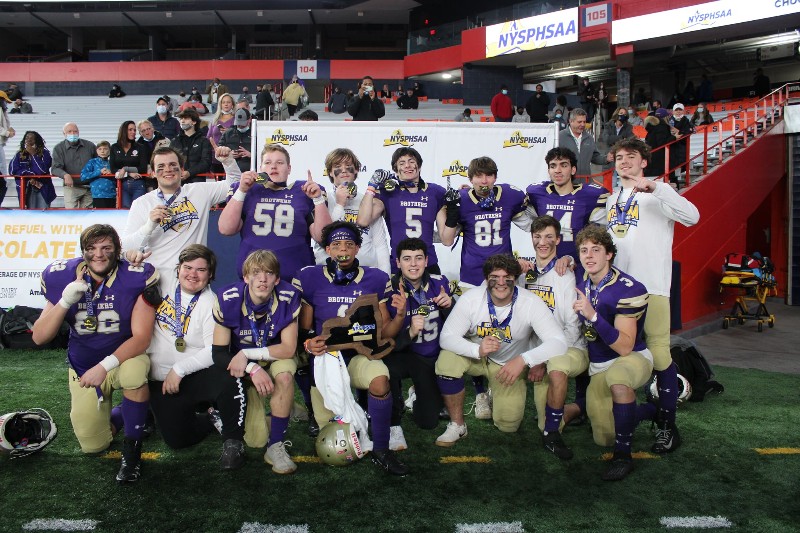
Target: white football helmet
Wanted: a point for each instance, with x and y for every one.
(338, 445)
(25, 432)
(684, 389)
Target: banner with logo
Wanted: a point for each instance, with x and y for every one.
(31, 240)
(532, 33)
(446, 149)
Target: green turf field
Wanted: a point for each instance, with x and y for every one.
(510, 481)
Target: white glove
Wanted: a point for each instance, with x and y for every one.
(73, 293)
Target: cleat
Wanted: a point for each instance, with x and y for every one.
(129, 469)
(388, 460)
(554, 444)
(412, 396)
(215, 419)
(232, 455)
(150, 425)
(483, 405)
(313, 427)
(451, 434)
(278, 457)
(668, 439)
(621, 466)
(397, 441)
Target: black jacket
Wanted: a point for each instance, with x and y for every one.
(365, 108)
(263, 103)
(537, 107)
(197, 151)
(233, 139)
(136, 156)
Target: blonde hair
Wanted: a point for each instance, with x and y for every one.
(263, 260)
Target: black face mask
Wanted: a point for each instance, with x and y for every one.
(622, 118)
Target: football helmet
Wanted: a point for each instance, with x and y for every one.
(25, 432)
(684, 389)
(338, 444)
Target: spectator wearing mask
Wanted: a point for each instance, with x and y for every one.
(6, 133)
(658, 134)
(538, 105)
(116, 92)
(97, 173)
(366, 106)
(148, 139)
(246, 96)
(680, 127)
(337, 103)
(633, 118)
(464, 116)
(386, 92)
(701, 116)
(129, 162)
(69, 158)
(408, 100)
(194, 146)
(502, 107)
(521, 115)
(264, 102)
(215, 90)
(20, 106)
(238, 139)
(14, 92)
(655, 106)
(33, 159)
(292, 95)
(195, 102)
(617, 128)
(163, 121)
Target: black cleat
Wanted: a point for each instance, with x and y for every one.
(554, 444)
(232, 455)
(668, 439)
(149, 426)
(388, 460)
(313, 427)
(129, 470)
(621, 465)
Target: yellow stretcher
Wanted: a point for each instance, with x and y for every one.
(751, 299)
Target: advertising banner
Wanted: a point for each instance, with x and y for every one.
(532, 33)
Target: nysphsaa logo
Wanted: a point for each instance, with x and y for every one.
(398, 138)
(456, 168)
(278, 137)
(518, 139)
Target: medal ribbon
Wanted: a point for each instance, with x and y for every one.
(260, 337)
(88, 297)
(493, 313)
(184, 316)
(594, 295)
(621, 215)
(486, 203)
(539, 273)
(417, 294)
(172, 198)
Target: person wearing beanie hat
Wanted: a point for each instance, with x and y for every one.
(238, 139)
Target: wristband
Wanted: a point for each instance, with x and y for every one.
(606, 331)
(319, 200)
(110, 362)
(594, 318)
(305, 346)
(371, 190)
(63, 303)
(255, 370)
(258, 354)
(249, 367)
(239, 195)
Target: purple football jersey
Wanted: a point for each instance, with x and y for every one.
(232, 313)
(487, 231)
(329, 299)
(573, 211)
(427, 343)
(413, 215)
(278, 221)
(622, 295)
(112, 308)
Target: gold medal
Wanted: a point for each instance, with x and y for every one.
(589, 333)
(620, 230)
(531, 275)
(423, 310)
(90, 323)
(180, 344)
(389, 185)
(499, 334)
(262, 177)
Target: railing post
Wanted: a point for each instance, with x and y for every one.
(705, 151)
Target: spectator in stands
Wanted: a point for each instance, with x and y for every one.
(33, 159)
(538, 105)
(502, 106)
(215, 90)
(419, 92)
(292, 95)
(701, 116)
(246, 95)
(561, 106)
(633, 117)
(128, 163)
(576, 138)
(308, 116)
(521, 115)
(560, 115)
(655, 106)
(337, 103)
(242, 104)
(69, 158)
(148, 139)
(182, 98)
(761, 83)
(680, 127)
(163, 121)
(6, 133)
(21, 106)
(97, 173)
(238, 139)
(194, 146)
(640, 99)
(275, 98)
(116, 92)
(264, 102)
(408, 100)
(588, 98)
(618, 128)
(601, 101)
(223, 119)
(658, 134)
(705, 92)
(464, 116)
(14, 92)
(387, 93)
(366, 106)
(351, 97)
(195, 102)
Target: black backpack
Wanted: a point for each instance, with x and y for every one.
(15, 330)
(694, 367)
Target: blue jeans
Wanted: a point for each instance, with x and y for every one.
(131, 190)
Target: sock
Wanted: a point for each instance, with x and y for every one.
(277, 429)
(134, 417)
(448, 385)
(480, 384)
(581, 403)
(116, 418)
(380, 411)
(303, 379)
(361, 398)
(581, 384)
(552, 419)
(668, 392)
(624, 424)
(645, 411)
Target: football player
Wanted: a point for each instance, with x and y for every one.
(489, 333)
(164, 221)
(256, 336)
(271, 214)
(485, 214)
(109, 306)
(558, 292)
(612, 308)
(410, 209)
(182, 370)
(328, 291)
(420, 304)
(641, 220)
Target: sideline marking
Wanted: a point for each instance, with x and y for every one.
(306, 459)
(777, 451)
(696, 522)
(453, 459)
(60, 524)
(636, 455)
(147, 456)
(258, 527)
(491, 527)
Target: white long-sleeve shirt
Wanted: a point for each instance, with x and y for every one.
(531, 322)
(558, 293)
(645, 250)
